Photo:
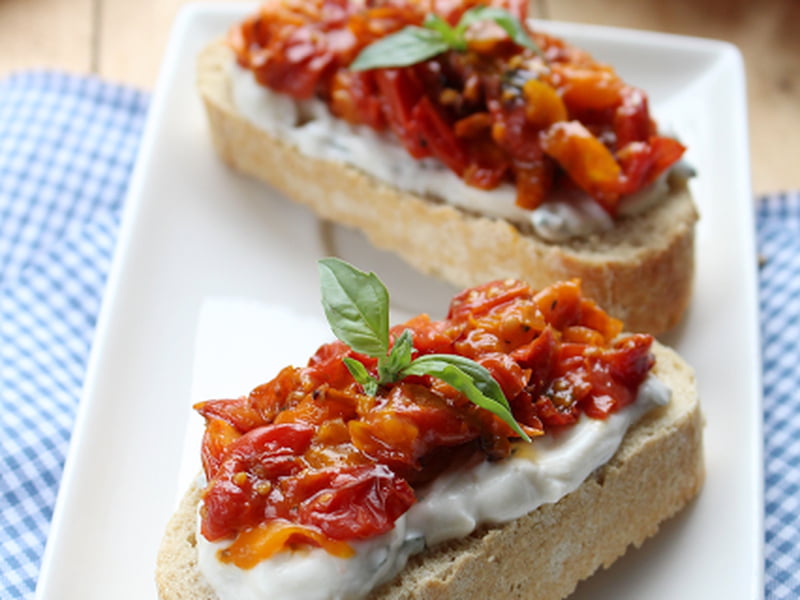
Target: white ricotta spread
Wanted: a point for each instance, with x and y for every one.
(314, 131)
(454, 505)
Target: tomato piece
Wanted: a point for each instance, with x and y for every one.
(323, 404)
(434, 132)
(560, 303)
(473, 125)
(237, 495)
(594, 317)
(583, 335)
(257, 408)
(401, 90)
(517, 133)
(508, 373)
(217, 437)
(511, 129)
(502, 329)
(355, 503)
(616, 374)
(632, 121)
(268, 442)
(551, 414)
(478, 300)
(411, 422)
(538, 357)
(387, 438)
(272, 397)
(487, 165)
(227, 420)
(534, 182)
(327, 367)
(239, 413)
(631, 360)
(430, 337)
(478, 341)
(353, 97)
(606, 394)
(643, 162)
(333, 433)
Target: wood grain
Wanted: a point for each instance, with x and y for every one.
(46, 33)
(133, 53)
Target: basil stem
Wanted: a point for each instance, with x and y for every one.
(398, 359)
(451, 36)
(361, 375)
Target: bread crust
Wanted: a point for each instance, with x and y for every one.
(641, 271)
(543, 555)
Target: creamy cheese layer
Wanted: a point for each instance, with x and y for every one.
(453, 506)
(315, 132)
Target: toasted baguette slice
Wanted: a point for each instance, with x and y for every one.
(543, 555)
(640, 272)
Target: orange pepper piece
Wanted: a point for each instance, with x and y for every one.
(589, 87)
(259, 543)
(543, 105)
(585, 159)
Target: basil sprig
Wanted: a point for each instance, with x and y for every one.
(356, 305)
(414, 44)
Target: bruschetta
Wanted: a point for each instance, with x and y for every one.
(507, 451)
(486, 162)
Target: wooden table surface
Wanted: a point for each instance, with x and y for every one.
(123, 41)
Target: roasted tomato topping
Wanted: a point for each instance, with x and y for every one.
(493, 113)
(310, 459)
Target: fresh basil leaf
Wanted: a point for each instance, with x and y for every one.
(480, 375)
(398, 359)
(413, 44)
(408, 46)
(453, 38)
(356, 305)
(361, 375)
(510, 24)
(469, 378)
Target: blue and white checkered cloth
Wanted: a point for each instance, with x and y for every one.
(67, 145)
(778, 230)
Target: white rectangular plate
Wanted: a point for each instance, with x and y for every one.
(194, 230)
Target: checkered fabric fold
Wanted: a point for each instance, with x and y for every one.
(67, 145)
(778, 230)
